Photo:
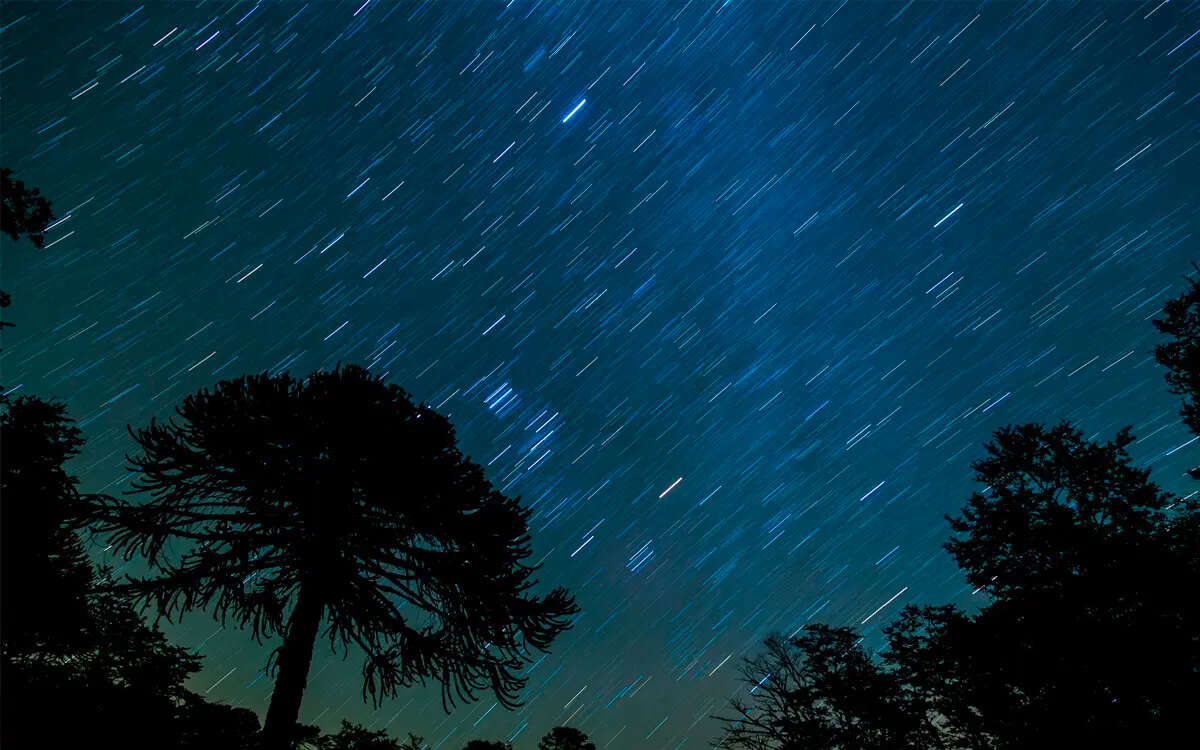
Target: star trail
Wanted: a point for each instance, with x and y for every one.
(729, 293)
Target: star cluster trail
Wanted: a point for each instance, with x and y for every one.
(730, 293)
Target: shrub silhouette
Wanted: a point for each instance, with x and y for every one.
(355, 737)
(566, 738)
(325, 506)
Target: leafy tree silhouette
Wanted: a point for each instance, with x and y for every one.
(820, 689)
(928, 655)
(23, 211)
(45, 575)
(1087, 637)
(1057, 508)
(566, 738)
(203, 725)
(1181, 355)
(356, 737)
(66, 640)
(487, 745)
(1090, 637)
(55, 641)
(413, 743)
(338, 496)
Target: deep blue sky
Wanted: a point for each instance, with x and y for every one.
(734, 328)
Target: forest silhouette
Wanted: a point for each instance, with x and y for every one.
(318, 508)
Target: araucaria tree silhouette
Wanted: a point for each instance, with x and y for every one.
(334, 506)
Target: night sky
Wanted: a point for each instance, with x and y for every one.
(730, 293)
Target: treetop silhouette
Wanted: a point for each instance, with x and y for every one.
(335, 501)
(1181, 355)
(566, 738)
(819, 689)
(23, 211)
(1088, 635)
(354, 737)
(67, 640)
(38, 555)
(1055, 506)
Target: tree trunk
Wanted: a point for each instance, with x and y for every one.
(295, 658)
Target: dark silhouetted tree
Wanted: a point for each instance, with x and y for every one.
(45, 576)
(23, 211)
(414, 743)
(68, 643)
(820, 689)
(566, 738)
(1181, 355)
(356, 737)
(1056, 507)
(203, 725)
(929, 652)
(487, 745)
(1091, 633)
(1088, 638)
(324, 506)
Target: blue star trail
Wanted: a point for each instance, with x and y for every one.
(574, 109)
(729, 293)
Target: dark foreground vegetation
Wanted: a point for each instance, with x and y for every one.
(1091, 633)
(272, 502)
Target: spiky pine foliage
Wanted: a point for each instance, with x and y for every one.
(337, 498)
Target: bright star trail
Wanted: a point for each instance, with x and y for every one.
(575, 109)
(734, 334)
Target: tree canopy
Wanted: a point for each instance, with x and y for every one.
(335, 501)
(23, 212)
(354, 737)
(566, 738)
(820, 688)
(1180, 354)
(67, 639)
(44, 573)
(1086, 638)
(334, 507)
